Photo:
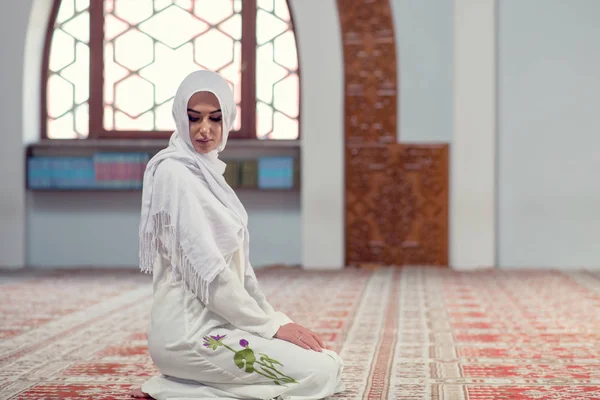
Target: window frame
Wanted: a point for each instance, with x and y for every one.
(96, 93)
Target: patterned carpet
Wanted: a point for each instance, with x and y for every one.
(411, 333)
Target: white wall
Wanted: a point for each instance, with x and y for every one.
(549, 133)
(13, 23)
(91, 229)
(473, 150)
(424, 38)
(322, 106)
(423, 31)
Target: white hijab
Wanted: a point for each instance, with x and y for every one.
(195, 217)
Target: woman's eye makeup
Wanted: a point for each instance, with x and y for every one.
(216, 118)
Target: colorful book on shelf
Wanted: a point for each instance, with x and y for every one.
(276, 172)
(296, 173)
(60, 173)
(39, 174)
(120, 170)
(232, 174)
(126, 171)
(249, 174)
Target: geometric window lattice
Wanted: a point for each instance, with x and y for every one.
(147, 47)
(146, 57)
(277, 83)
(68, 72)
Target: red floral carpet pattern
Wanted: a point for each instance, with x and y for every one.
(410, 333)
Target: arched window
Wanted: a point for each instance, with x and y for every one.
(111, 67)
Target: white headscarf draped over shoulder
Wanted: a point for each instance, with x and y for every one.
(188, 210)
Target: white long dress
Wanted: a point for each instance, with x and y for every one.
(226, 349)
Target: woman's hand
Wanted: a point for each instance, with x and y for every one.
(300, 336)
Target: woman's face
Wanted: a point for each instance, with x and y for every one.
(206, 127)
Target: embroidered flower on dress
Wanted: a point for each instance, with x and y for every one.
(246, 359)
(213, 341)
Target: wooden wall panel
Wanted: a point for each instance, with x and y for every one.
(396, 194)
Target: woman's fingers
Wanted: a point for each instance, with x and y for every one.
(308, 338)
(299, 340)
(312, 343)
(293, 334)
(300, 336)
(318, 339)
(315, 337)
(303, 345)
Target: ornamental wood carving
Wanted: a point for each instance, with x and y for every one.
(396, 194)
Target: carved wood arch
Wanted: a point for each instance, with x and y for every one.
(396, 195)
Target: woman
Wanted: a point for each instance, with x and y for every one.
(212, 333)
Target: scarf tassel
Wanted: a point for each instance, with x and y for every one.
(162, 237)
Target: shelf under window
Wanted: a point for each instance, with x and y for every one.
(118, 165)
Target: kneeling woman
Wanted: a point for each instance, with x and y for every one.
(212, 332)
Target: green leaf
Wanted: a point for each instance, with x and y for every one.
(287, 379)
(245, 358)
(266, 358)
(268, 372)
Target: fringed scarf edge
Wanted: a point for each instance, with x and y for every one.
(150, 242)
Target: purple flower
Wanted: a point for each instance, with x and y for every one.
(244, 343)
(213, 341)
